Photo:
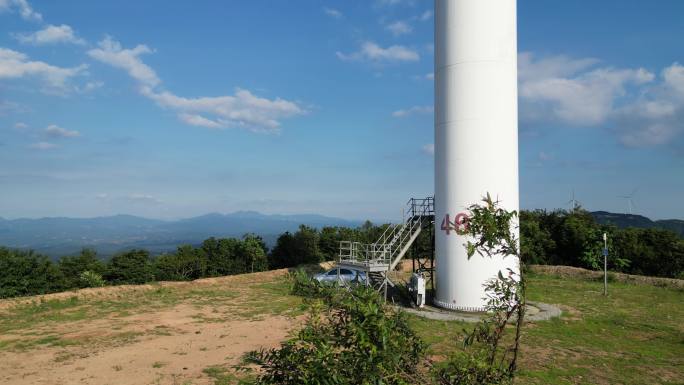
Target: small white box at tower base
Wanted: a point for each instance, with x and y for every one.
(417, 289)
(476, 137)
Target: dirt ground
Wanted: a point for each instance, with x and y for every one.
(165, 343)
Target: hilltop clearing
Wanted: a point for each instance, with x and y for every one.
(194, 332)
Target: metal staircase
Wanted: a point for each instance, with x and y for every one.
(379, 258)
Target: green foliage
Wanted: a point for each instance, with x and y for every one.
(131, 267)
(309, 245)
(296, 249)
(252, 251)
(485, 360)
(228, 256)
(536, 244)
(574, 238)
(186, 264)
(302, 285)
(89, 278)
(73, 266)
(350, 338)
(651, 252)
(26, 273)
(491, 226)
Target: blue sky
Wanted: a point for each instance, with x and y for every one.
(170, 109)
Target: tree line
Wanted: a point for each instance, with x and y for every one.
(558, 237)
(28, 273)
(575, 238)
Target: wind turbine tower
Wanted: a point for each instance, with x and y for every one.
(476, 137)
(630, 201)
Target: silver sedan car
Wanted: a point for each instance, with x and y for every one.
(346, 276)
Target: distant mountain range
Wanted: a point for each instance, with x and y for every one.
(108, 235)
(633, 220)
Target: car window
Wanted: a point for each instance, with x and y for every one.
(345, 272)
(332, 272)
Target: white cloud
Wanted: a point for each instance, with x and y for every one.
(550, 67)
(243, 109)
(90, 86)
(399, 28)
(110, 52)
(59, 132)
(674, 79)
(20, 125)
(332, 12)
(656, 117)
(556, 87)
(413, 111)
(21, 6)
(42, 146)
(429, 149)
(14, 65)
(143, 198)
(199, 121)
(425, 16)
(640, 108)
(372, 52)
(430, 76)
(51, 34)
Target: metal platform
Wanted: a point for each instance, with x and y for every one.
(379, 258)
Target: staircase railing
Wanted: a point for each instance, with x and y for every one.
(394, 242)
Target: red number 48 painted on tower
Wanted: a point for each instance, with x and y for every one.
(459, 225)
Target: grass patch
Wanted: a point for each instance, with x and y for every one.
(633, 336)
(223, 376)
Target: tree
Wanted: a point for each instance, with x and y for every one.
(283, 253)
(73, 266)
(329, 242)
(186, 264)
(351, 338)
(295, 249)
(536, 244)
(651, 251)
(27, 273)
(131, 267)
(575, 233)
(221, 256)
(306, 245)
(258, 239)
(252, 252)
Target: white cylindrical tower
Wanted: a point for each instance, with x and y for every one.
(476, 136)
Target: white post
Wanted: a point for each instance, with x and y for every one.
(605, 264)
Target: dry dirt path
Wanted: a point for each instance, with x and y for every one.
(152, 334)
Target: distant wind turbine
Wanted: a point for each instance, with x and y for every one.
(574, 204)
(630, 200)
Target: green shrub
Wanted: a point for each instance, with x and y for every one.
(486, 360)
(73, 266)
(304, 286)
(131, 267)
(91, 279)
(186, 264)
(26, 273)
(349, 338)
